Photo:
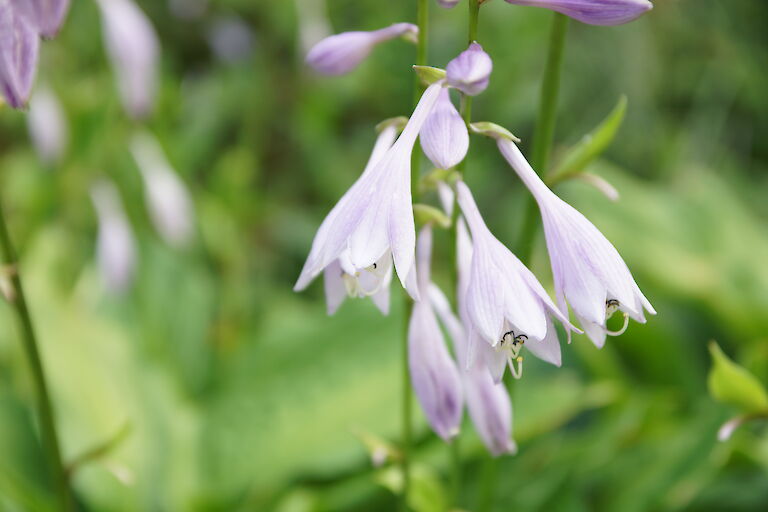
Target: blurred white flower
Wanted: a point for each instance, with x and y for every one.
(170, 205)
(134, 51)
(115, 245)
(47, 125)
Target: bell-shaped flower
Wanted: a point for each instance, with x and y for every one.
(47, 125)
(115, 245)
(434, 374)
(447, 4)
(341, 53)
(470, 71)
(444, 137)
(134, 50)
(19, 45)
(506, 305)
(167, 197)
(589, 273)
(594, 12)
(45, 15)
(374, 218)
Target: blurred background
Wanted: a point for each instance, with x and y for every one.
(225, 390)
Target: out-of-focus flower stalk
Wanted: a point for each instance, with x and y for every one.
(14, 292)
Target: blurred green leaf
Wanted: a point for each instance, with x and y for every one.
(732, 384)
(591, 145)
(426, 491)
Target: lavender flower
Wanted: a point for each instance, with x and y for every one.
(341, 53)
(434, 374)
(115, 246)
(588, 271)
(169, 202)
(19, 45)
(134, 50)
(470, 71)
(375, 216)
(505, 303)
(594, 12)
(447, 4)
(444, 137)
(45, 15)
(47, 125)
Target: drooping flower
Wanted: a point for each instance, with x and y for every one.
(594, 12)
(444, 137)
(46, 16)
(589, 273)
(115, 245)
(374, 218)
(19, 45)
(341, 53)
(134, 51)
(434, 374)
(470, 71)
(47, 125)
(506, 306)
(169, 202)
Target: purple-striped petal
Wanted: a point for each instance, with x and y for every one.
(19, 45)
(444, 137)
(470, 72)
(594, 12)
(46, 16)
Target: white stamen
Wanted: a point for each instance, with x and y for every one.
(517, 372)
(623, 327)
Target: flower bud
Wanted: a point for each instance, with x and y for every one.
(19, 45)
(444, 136)
(594, 12)
(447, 4)
(170, 206)
(134, 50)
(341, 53)
(47, 125)
(45, 15)
(470, 71)
(115, 245)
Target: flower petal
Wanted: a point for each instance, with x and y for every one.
(19, 45)
(335, 291)
(444, 137)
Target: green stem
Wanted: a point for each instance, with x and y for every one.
(50, 440)
(545, 128)
(422, 19)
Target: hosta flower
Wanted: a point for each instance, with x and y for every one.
(588, 271)
(447, 4)
(434, 374)
(169, 202)
(373, 221)
(47, 125)
(594, 12)
(115, 246)
(341, 53)
(19, 44)
(470, 71)
(506, 305)
(444, 137)
(134, 51)
(45, 15)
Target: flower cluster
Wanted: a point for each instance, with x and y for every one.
(502, 308)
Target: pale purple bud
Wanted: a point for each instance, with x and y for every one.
(588, 271)
(506, 306)
(169, 202)
(45, 15)
(19, 44)
(115, 245)
(447, 4)
(134, 50)
(341, 53)
(375, 216)
(594, 12)
(231, 39)
(470, 72)
(434, 374)
(444, 137)
(47, 125)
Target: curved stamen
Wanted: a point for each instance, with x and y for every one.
(516, 371)
(623, 327)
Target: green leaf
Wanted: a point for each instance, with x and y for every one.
(428, 74)
(493, 130)
(591, 146)
(426, 214)
(732, 384)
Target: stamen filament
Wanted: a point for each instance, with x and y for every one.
(623, 327)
